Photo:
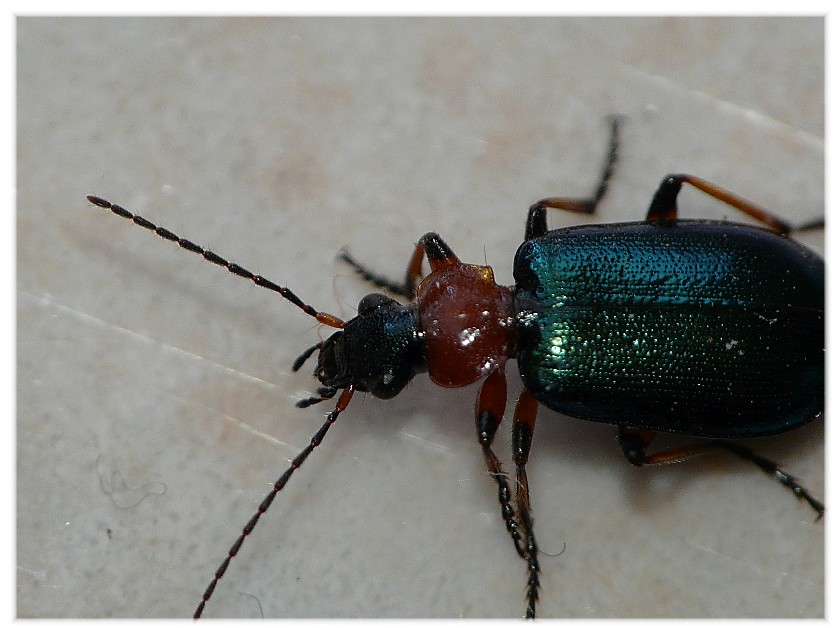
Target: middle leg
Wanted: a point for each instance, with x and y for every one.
(537, 224)
(524, 421)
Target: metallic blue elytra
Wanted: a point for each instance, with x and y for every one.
(703, 328)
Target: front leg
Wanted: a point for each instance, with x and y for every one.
(489, 409)
(431, 244)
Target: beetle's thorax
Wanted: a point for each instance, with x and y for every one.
(467, 323)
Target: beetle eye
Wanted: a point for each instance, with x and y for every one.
(372, 301)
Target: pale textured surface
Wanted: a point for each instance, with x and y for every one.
(155, 402)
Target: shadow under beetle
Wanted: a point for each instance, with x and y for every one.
(703, 328)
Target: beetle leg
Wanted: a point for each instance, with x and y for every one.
(524, 421)
(324, 394)
(664, 203)
(405, 289)
(771, 468)
(489, 409)
(431, 244)
(634, 443)
(536, 224)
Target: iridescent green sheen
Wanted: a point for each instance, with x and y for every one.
(702, 328)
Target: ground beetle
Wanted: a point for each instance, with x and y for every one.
(708, 329)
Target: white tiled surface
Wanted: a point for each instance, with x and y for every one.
(155, 402)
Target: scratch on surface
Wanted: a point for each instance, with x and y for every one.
(808, 138)
(46, 300)
(777, 575)
(38, 574)
(239, 423)
(427, 443)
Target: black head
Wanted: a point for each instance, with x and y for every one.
(378, 351)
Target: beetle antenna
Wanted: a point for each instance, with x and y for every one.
(259, 280)
(343, 401)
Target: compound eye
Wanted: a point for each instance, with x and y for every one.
(373, 301)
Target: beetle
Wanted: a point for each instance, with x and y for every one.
(710, 329)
